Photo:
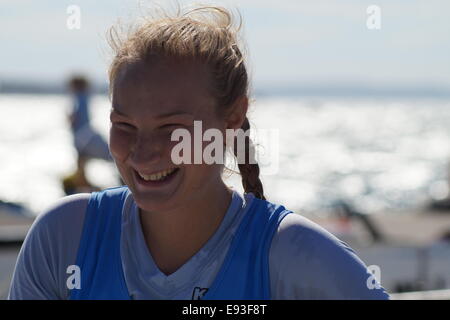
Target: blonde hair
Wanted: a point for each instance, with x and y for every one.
(206, 34)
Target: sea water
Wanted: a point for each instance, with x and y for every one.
(377, 153)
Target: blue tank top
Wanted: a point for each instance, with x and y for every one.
(244, 274)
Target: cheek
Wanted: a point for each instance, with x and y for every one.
(203, 176)
(120, 143)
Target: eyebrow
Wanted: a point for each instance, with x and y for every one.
(161, 116)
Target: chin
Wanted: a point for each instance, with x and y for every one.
(157, 205)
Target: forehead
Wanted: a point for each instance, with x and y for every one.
(161, 86)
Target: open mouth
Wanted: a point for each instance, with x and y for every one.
(158, 178)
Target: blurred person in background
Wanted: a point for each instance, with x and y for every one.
(88, 143)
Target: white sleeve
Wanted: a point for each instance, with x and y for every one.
(50, 246)
(308, 262)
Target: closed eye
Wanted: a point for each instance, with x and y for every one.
(123, 125)
(172, 125)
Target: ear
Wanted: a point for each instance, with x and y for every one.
(238, 113)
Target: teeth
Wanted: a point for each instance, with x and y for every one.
(156, 176)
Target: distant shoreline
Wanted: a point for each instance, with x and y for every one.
(15, 87)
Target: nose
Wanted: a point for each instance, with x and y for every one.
(147, 151)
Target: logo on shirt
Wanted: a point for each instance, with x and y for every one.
(198, 293)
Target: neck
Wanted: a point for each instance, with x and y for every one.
(173, 237)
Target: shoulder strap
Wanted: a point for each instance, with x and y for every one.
(99, 252)
(245, 272)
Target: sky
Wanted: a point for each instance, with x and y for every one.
(290, 42)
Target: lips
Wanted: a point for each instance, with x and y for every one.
(157, 179)
(158, 175)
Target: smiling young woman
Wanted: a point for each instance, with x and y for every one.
(191, 200)
(177, 231)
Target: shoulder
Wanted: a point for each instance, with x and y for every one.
(58, 229)
(300, 238)
(58, 221)
(67, 209)
(295, 228)
(308, 262)
(49, 248)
